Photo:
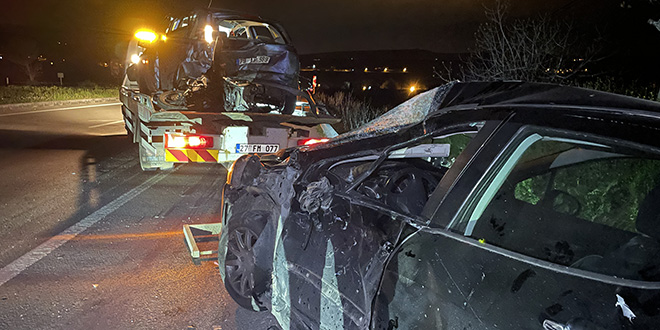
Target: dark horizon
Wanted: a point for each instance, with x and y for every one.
(97, 32)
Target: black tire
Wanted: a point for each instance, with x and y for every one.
(243, 279)
(289, 104)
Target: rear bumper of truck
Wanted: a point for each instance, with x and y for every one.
(233, 133)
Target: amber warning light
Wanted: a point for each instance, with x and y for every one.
(146, 35)
(188, 141)
(309, 142)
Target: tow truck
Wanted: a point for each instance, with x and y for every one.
(169, 136)
(215, 86)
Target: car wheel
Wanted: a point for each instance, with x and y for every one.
(242, 277)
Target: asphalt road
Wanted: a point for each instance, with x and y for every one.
(89, 241)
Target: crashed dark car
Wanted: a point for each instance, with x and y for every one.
(218, 60)
(502, 205)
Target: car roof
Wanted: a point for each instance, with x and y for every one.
(232, 14)
(538, 95)
(458, 96)
(220, 13)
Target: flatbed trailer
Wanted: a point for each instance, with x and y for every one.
(167, 135)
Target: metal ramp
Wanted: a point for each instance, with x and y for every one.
(202, 241)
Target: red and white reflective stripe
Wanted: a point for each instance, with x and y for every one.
(191, 155)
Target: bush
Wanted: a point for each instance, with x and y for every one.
(618, 86)
(353, 112)
(27, 94)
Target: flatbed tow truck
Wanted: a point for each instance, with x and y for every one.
(215, 86)
(167, 135)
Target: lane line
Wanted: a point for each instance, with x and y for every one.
(58, 109)
(106, 124)
(19, 265)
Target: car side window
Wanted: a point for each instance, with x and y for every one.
(175, 25)
(241, 32)
(576, 203)
(262, 33)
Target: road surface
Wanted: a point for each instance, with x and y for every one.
(89, 241)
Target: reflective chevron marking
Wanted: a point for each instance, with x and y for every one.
(191, 155)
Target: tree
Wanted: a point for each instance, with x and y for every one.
(25, 53)
(530, 49)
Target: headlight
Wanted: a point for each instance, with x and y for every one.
(208, 34)
(135, 58)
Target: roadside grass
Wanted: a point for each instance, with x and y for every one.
(29, 94)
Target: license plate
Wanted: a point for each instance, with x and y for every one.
(251, 148)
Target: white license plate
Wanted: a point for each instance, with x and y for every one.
(251, 148)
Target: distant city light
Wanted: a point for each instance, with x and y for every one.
(52, 63)
(405, 69)
(365, 69)
(412, 88)
(364, 88)
(385, 70)
(313, 66)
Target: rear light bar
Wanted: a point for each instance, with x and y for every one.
(187, 141)
(309, 142)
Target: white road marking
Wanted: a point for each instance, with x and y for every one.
(19, 265)
(58, 109)
(106, 124)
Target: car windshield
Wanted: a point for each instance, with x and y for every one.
(245, 29)
(411, 112)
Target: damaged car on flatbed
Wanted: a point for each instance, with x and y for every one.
(214, 86)
(217, 60)
(502, 205)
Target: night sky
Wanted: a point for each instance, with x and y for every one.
(100, 28)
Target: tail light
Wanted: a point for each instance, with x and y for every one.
(309, 142)
(180, 141)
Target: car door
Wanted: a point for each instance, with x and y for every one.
(337, 239)
(558, 232)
